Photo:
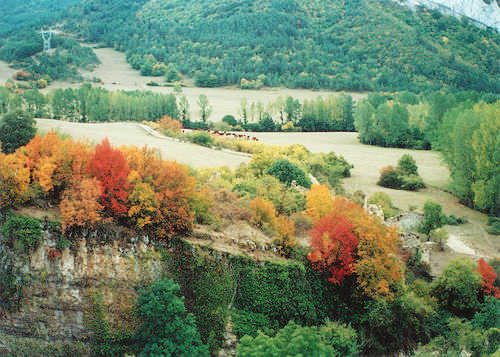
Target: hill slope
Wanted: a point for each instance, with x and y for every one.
(348, 45)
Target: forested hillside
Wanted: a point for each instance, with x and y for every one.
(348, 45)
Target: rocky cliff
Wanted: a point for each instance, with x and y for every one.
(482, 12)
(53, 299)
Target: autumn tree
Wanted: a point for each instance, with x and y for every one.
(319, 202)
(375, 263)
(488, 278)
(334, 247)
(110, 167)
(14, 179)
(80, 204)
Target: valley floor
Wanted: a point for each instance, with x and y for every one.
(367, 161)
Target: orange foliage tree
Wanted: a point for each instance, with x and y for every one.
(169, 124)
(53, 161)
(80, 204)
(173, 187)
(109, 166)
(264, 215)
(488, 278)
(162, 192)
(376, 264)
(319, 202)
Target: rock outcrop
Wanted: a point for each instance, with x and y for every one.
(481, 12)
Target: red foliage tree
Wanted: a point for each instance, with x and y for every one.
(489, 276)
(109, 166)
(334, 247)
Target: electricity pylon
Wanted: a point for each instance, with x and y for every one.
(46, 35)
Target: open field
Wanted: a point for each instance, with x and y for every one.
(131, 134)
(116, 74)
(367, 162)
(6, 72)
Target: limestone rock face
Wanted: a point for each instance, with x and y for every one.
(483, 12)
(56, 289)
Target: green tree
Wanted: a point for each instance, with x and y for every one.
(166, 330)
(291, 341)
(184, 113)
(344, 339)
(17, 128)
(205, 109)
(286, 172)
(458, 288)
(433, 216)
(230, 120)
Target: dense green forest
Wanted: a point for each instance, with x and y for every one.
(23, 50)
(348, 45)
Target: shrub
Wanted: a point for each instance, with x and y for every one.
(285, 234)
(494, 223)
(201, 138)
(343, 339)
(250, 323)
(390, 177)
(439, 236)
(408, 165)
(411, 183)
(292, 340)
(170, 125)
(287, 172)
(433, 216)
(263, 214)
(230, 120)
(458, 288)
(23, 231)
(455, 221)
(165, 328)
(383, 200)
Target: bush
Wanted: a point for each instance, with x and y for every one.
(494, 223)
(23, 231)
(439, 236)
(343, 339)
(390, 178)
(458, 288)
(455, 221)
(408, 165)
(292, 340)
(383, 200)
(201, 138)
(287, 172)
(230, 120)
(433, 217)
(411, 183)
(250, 323)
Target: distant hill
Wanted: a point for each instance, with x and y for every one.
(340, 45)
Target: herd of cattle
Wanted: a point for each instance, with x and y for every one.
(226, 133)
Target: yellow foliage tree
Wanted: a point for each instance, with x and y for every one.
(319, 202)
(14, 179)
